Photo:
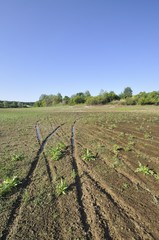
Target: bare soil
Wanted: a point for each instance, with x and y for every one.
(106, 198)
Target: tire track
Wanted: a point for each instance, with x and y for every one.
(79, 190)
(16, 207)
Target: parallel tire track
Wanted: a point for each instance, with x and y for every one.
(16, 207)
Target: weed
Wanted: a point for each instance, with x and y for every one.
(125, 185)
(144, 169)
(112, 126)
(55, 216)
(127, 148)
(61, 187)
(147, 135)
(8, 184)
(130, 137)
(88, 155)
(117, 162)
(157, 176)
(17, 157)
(116, 149)
(122, 134)
(58, 152)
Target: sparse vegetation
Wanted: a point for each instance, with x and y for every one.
(58, 152)
(61, 187)
(7, 185)
(88, 155)
(17, 157)
(116, 149)
(55, 195)
(144, 169)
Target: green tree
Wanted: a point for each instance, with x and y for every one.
(66, 100)
(6, 104)
(127, 93)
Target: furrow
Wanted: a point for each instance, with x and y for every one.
(120, 204)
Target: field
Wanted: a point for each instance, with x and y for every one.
(79, 173)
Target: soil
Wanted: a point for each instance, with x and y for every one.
(106, 197)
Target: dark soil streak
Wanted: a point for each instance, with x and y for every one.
(86, 226)
(25, 183)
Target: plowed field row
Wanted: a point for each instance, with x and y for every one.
(105, 198)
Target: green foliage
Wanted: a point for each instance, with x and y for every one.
(61, 187)
(130, 101)
(17, 157)
(144, 169)
(157, 176)
(144, 98)
(147, 135)
(7, 185)
(103, 98)
(112, 126)
(88, 155)
(117, 162)
(58, 152)
(116, 149)
(127, 93)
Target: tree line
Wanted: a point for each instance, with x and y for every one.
(15, 104)
(104, 97)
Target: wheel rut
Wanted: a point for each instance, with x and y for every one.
(17, 205)
(79, 190)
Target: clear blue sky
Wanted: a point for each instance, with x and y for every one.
(69, 46)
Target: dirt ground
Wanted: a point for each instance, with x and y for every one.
(107, 196)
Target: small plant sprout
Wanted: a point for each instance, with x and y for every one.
(125, 185)
(61, 187)
(112, 126)
(147, 135)
(88, 155)
(8, 184)
(157, 176)
(17, 157)
(58, 152)
(116, 149)
(145, 170)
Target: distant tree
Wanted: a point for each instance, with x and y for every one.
(42, 97)
(14, 104)
(78, 98)
(20, 104)
(1, 104)
(59, 98)
(126, 93)
(6, 104)
(66, 100)
(87, 94)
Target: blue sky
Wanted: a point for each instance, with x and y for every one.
(69, 46)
